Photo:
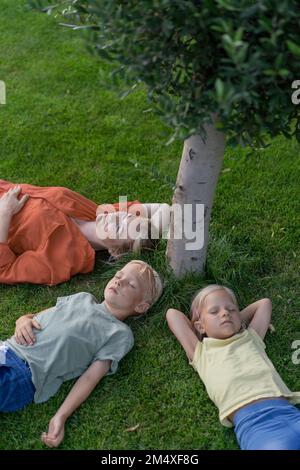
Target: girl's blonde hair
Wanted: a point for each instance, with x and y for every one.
(197, 303)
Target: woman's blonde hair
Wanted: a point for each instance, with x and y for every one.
(197, 303)
(147, 238)
(143, 242)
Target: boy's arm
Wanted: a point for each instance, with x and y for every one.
(78, 394)
(24, 328)
(258, 316)
(182, 328)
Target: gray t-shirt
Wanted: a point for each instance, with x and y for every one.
(75, 333)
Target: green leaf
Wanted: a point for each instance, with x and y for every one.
(220, 89)
(294, 48)
(284, 73)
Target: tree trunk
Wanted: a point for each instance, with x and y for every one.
(197, 177)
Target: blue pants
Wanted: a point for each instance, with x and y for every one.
(268, 425)
(16, 387)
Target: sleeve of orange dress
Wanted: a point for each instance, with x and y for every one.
(52, 263)
(7, 256)
(129, 204)
(45, 246)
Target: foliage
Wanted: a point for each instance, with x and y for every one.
(236, 58)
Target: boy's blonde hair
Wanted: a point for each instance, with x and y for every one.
(198, 300)
(152, 281)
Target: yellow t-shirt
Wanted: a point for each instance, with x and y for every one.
(236, 371)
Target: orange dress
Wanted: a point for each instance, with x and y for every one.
(44, 245)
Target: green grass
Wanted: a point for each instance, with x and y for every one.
(59, 127)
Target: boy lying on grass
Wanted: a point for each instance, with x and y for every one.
(79, 337)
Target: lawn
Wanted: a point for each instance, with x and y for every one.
(60, 127)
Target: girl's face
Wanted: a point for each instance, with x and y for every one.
(219, 317)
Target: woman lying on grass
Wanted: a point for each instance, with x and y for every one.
(48, 234)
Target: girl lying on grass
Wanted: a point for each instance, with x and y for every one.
(238, 375)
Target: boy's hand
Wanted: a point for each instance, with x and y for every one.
(9, 202)
(24, 330)
(56, 432)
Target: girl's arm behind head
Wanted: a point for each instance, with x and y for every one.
(258, 316)
(182, 328)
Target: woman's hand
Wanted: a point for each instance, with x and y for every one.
(56, 432)
(10, 205)
(105, 209)
(9, 202)
(24, 330)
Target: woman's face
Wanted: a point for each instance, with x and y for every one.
(117, 229)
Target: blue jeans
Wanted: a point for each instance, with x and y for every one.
(16, 387)
(272, 424)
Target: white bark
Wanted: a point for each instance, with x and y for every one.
(197, 178)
